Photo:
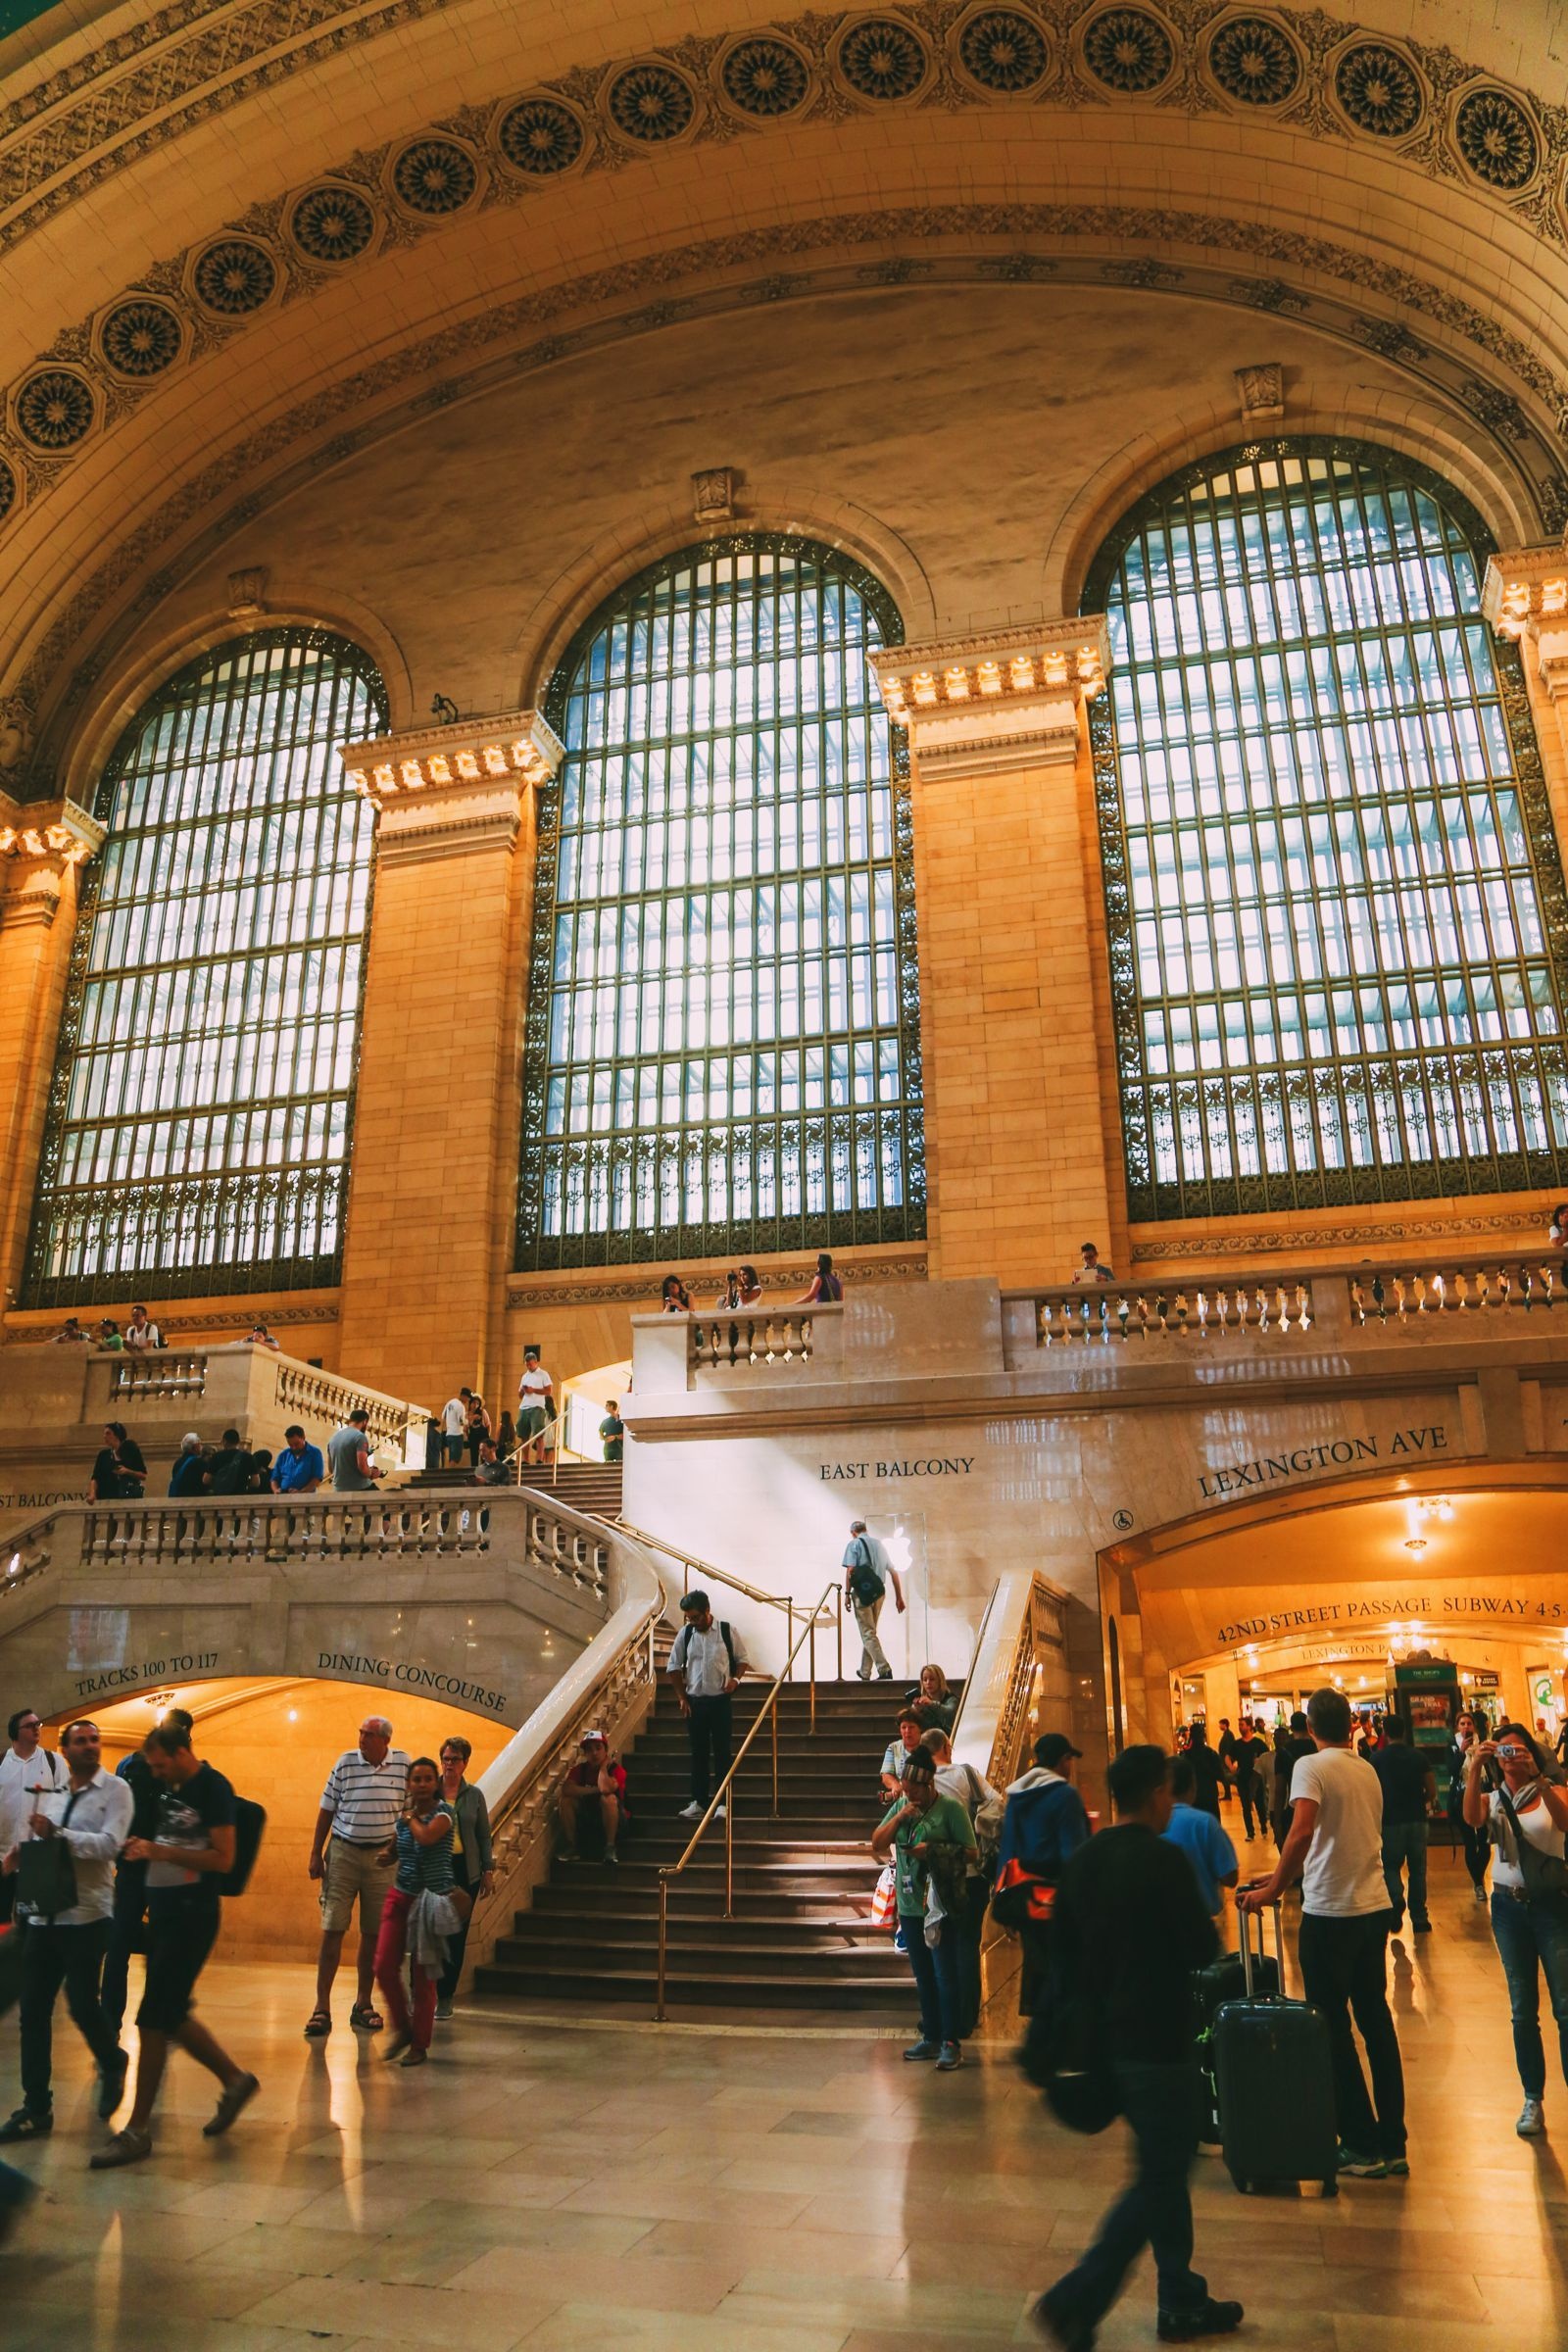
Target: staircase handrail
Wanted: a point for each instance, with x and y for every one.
(766, 1712)
(721, 1575)
(995, 1693)
(971, 1679)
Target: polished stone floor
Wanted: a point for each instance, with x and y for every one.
(623, 2187)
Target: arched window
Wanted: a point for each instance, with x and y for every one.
(723, 1022)
(198, 1130)
(1335, 901)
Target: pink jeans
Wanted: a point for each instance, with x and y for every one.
(389, 1950)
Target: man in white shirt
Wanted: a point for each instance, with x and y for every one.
(1089, 1269)
(91, 1816)
(1334, 1847)
(533, 1409)
(360, 1807)
(25, 1762)
(705, 1665)
(868, 1573)
(455, 1425)
(140, 1332)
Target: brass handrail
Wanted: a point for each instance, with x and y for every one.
(707, 1571)
(768, 1710)
(969, 1677)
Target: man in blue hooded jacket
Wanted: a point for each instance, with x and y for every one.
(1042, 1828)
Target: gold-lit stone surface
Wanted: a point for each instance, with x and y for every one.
(573, 2187)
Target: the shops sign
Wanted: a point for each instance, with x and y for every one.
(1337, 1453)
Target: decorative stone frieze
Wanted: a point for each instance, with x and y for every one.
(1006, 700)
(1261, 389)
(39, 843)
(1526, 595)
(445, 790)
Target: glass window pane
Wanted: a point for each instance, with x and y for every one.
(198, 1135)
(1317, 778)
(731, 825)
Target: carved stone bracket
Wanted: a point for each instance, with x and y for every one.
(1008, 699)
(1526, 595)
(39, 842)
(442, 790)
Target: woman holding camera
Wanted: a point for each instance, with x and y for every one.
(1509, 1791)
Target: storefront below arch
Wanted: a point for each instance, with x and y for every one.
(275, 1737)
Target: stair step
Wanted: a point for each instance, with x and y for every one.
(749, 1988)
(588, 1892)
(716, 1946)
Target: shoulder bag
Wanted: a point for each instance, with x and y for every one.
(1545, 1876)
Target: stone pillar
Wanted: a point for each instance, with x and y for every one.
(43, 846)
(1524, 597)
(1010, 926)
(432, 1196)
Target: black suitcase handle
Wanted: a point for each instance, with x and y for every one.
(1244, 1931)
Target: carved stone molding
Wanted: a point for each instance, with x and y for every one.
(39, 844)
(437, 762)
(1261, 388)
(528, 1292)
(1525, 594)
(986, 705)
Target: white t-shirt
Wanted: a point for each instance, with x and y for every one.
(534, 1386)
(1343, 1875)
(1535, 1823)
(42, 1769)
(454, 1417)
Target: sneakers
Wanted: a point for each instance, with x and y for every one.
(443, 2010)
(1481, 1895)
(24, 2124)
(1068, 2335)
(691, 1812)
(924, 2049)
(1207, 2317)
(885, 1675)
(126, 2147)
(951, 2056)
(237, 2094)
(1422, 1927)
(1532, 2119)
(1361, 2167)
(1397, 2168)
(612, 1858)
(112, 2084)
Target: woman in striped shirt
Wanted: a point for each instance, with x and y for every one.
(422, 1845)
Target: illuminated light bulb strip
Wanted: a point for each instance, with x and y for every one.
(519, 744)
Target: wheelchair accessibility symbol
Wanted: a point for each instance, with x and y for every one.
(1121, 1520)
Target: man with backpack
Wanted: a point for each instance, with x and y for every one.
(867, 1574)
(983, 1805)
(188, 1858)
(705, 1665)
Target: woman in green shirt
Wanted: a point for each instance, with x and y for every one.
(932, 1845)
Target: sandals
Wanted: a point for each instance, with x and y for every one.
(319, 2025)
(365, 2019)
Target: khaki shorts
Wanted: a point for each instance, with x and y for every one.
(354, 1874)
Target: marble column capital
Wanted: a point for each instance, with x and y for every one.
(446, 790)
(1525, 594)
(998, 700)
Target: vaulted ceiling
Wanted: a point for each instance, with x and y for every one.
(243, 238)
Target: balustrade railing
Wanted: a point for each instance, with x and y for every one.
(328, 1399)
(159, 1372)
(1400, 1291)
(1203, 1307)
(775, 1335)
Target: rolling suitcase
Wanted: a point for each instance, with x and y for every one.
(1275, 2079)
(1223, 1980)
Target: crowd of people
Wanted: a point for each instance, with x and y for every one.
(95, 1866)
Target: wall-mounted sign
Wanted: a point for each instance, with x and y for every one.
(1470, 1609)
(942, 1465)
(1337, 1454)
(178, 1667)
(410, 1676)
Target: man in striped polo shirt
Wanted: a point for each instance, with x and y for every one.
(360, 1807)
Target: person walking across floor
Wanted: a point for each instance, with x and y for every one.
(188, 1859)
(1129, 1931)
(707, 1661)
(1249, 1749)
(472, 1857)
(1208, 1773)
(1044, 1823)
(127, 1920)
(87, 1821)
(932, 1845)
(1290, 1747)
(1203, 1839)
(983, 1805)
(1468, 1733)
(1512, 1796)
(419, 1854)
(868, 1573)
(1410, 1795)
(1334, 1847)
(613, 1431)
(27, 1768)
(360, 1808)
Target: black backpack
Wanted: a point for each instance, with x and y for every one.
(865, 1585)
(729, 1645)
(249, 1821)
